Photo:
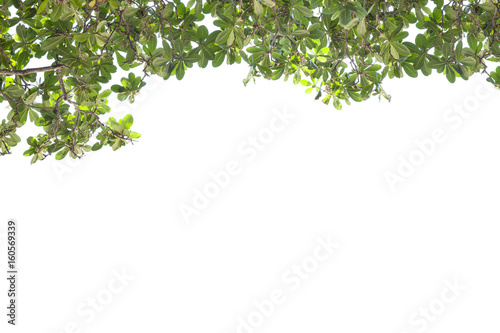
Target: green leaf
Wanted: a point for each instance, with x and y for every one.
(468, 61)
(159, 62)
(121, 61)
(180, 71)
(351, 24)
(33, 116)
(450, 74)
(61, 154)
(301, 33)
(230, 39)
(458, 49)
(400, 48)
(223, 36)
(51, 43)
(394, 52)
(29, 152)
(419, 14)
(361, 27)
(304, 11)
(450, 13)
(219, 59)
(81, 37)
(131, 11)
(257, 8)
(14, 91)
(42, 6)
(446, 48)
(409, 70)
(57, 10)
(134, 135)
(31, 98)
(345, 16)
(420, 61)
(127, 121)
(421, 41)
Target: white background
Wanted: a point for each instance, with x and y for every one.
(323, 176)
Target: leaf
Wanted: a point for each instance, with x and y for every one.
(304, 11)
(180, 71)
(421, 41)
(61, 154)
(268, 3)
(230, 39)
(410, 70)
(401, 49)
(101, 41)
(394, 52)
(100, 25)
(458, 49)
(159, 62)
(361, 27)
(223, 36)
(51, 43)
(134, 135)
(487, 7)
(450, 74)
(420, 15)
(219, 59)
(31, 98)
(42, 6)
(127, 121)
(33, 115)
(450, 13)
(351, 24)
(29, 152)
(257, 8)
(420, 61)
(300, 33)
(121, 61)
(345, 17)
(14, 91)
(81, 37)
(57, 10)
(130, 11)
(468, 61)
(446, 48)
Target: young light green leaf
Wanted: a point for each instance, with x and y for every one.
(268, 3)
(42, 6)
(257, 8)
(361, 27)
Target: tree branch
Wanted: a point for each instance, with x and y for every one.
(29, 70)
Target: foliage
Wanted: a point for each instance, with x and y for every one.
(340, 50)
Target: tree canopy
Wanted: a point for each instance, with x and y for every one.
(58, 57)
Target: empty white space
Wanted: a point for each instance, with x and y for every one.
(82, 223)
